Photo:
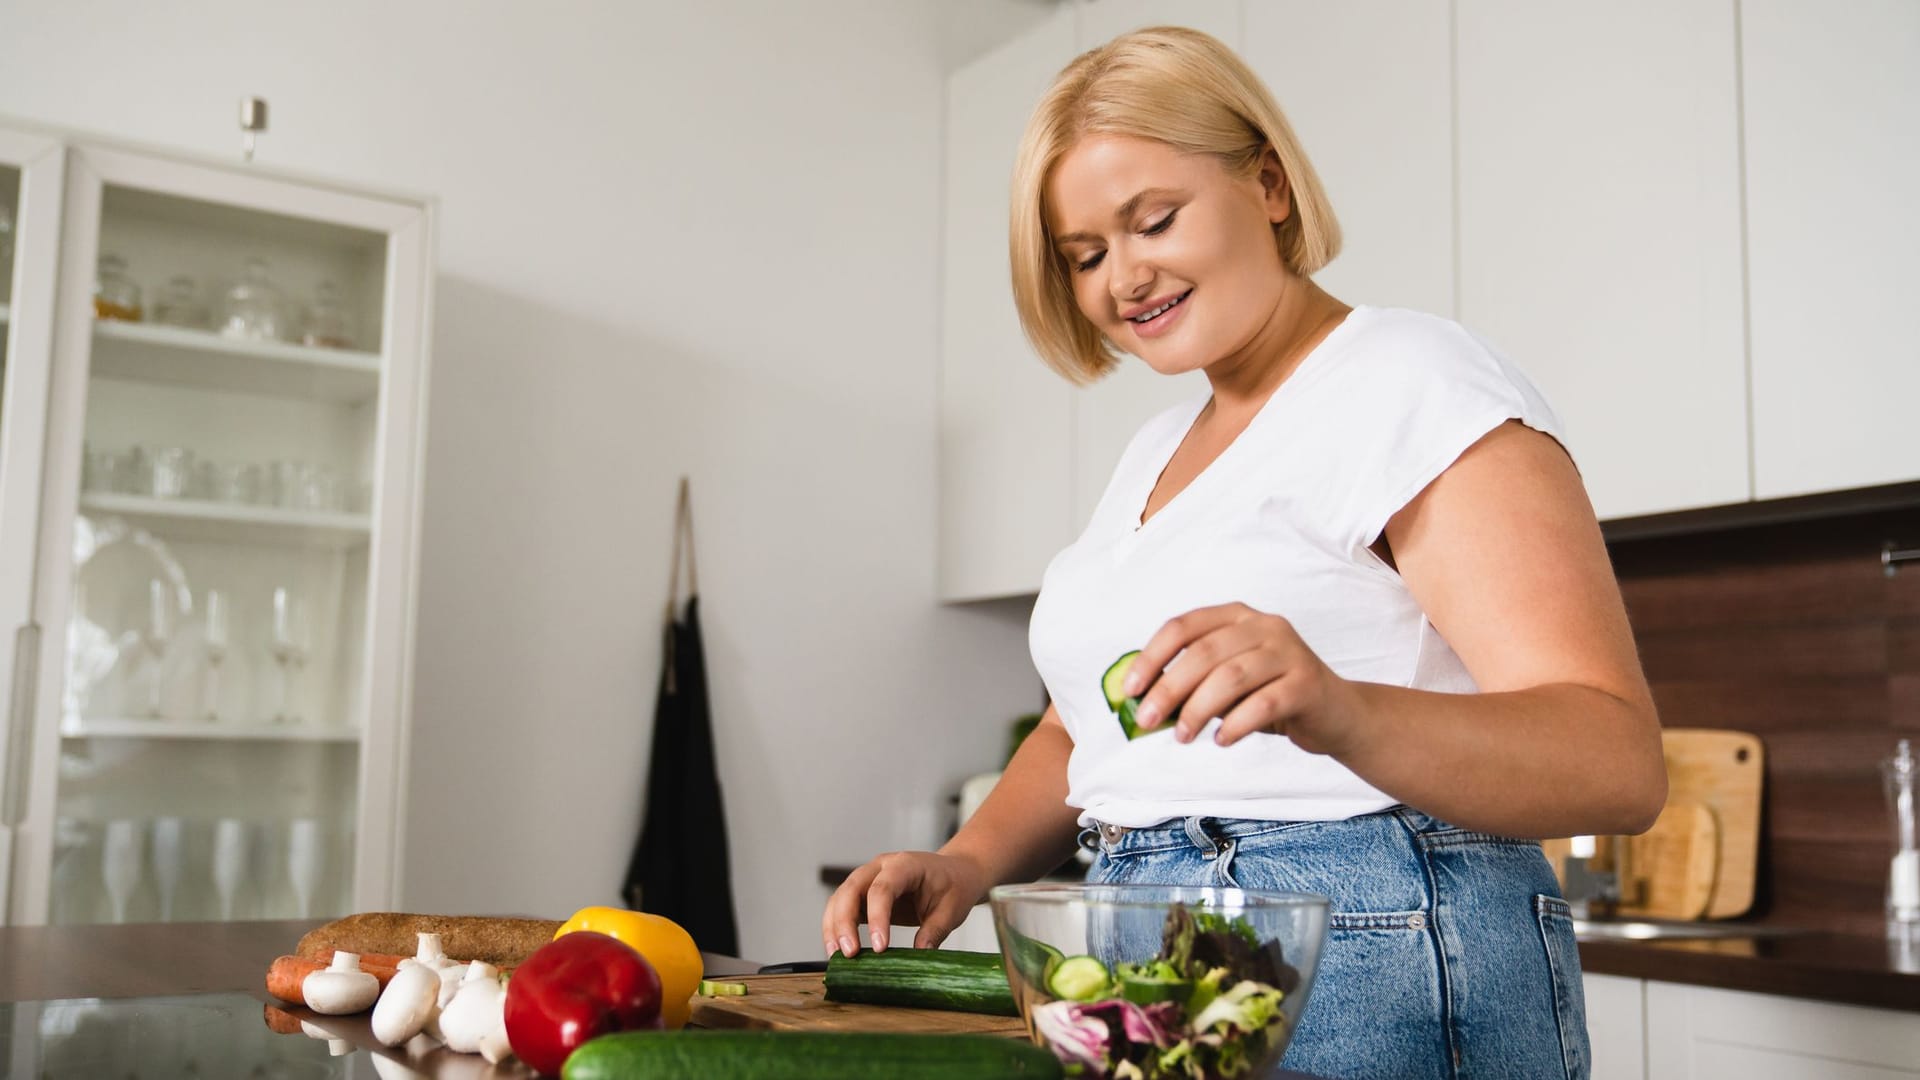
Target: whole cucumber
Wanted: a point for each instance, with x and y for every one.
(805, 1055)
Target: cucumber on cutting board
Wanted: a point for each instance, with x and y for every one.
(805, 1055)
(974, 982)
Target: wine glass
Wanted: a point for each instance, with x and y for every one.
(154, 638)
(229, 861)
(289, 647)
(120, 865)
(217, 640)
(167, 862)
(304, 858)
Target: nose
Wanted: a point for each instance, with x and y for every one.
(1130, 279)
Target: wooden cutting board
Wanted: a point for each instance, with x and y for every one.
(1722, 771)
(799, 1003)
(1715, 772)
(1671, 866)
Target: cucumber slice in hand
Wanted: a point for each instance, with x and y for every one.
(1128, 708)
(1080, 978)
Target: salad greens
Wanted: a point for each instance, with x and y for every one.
(1206, 1007)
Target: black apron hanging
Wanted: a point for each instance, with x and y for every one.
(679, 866)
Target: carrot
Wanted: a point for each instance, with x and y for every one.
(280, 1021)
(288, 972)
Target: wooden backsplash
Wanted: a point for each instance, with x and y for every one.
(1792, 632)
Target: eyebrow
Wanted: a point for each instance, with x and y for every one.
(1126, 211)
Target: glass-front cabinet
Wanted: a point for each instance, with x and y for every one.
(225, 547)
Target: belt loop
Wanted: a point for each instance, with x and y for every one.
(1197, 836)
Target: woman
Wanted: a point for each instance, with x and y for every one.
(1370, 594)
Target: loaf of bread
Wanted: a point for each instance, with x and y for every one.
(503, 942)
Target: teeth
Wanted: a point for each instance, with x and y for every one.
(1159, 311)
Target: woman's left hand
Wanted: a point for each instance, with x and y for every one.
(1249, 668)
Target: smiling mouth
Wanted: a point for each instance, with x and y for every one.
(1144, 319)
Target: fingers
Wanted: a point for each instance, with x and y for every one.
(938, 923)
(840, 926)
(1266, 709)
(1229, 684)
(1175, 687)
(1178, 633)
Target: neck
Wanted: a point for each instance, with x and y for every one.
(1303, 315)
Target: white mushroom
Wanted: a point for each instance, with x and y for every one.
(336, 1046)
(342, 988)
(411, 998)
(474, 1012)
(494, 1045)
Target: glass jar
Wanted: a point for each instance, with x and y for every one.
(115, 296)
(254, 309)
(179, 304)
(328, 324)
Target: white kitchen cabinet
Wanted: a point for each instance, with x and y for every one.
(1617, 1026)
(1832, 107)
(1599, 232)
(1005, 437)
(1700, 1033)
(178, 756)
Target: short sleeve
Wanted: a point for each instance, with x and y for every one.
(1422, 392)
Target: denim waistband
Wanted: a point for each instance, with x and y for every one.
(1210, 834)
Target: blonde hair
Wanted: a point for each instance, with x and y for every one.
(1177, 86)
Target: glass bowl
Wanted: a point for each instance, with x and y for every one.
(1173, 980)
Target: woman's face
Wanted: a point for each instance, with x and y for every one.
(1142, 225)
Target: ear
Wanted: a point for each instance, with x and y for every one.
(1277, 192)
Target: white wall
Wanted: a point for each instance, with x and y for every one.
(675, 237)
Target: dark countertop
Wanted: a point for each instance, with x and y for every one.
(1841, 968)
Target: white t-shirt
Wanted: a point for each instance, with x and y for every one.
(1282, 521)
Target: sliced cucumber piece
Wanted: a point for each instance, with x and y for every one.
(1152, 989)
(710, 988)
(1115, 678)
(1080, 978)
(1032, 958)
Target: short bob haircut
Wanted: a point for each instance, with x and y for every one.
(1177, 86)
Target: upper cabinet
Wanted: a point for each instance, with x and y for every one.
(1005, 439)
(1599, 218)
(1832, 100)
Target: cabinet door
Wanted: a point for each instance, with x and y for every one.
(31, 168)
(1832, 104)
(1107, 414)
(1599, 221)
(226, 545)
(1617, 1027)
(1005, 449)
(1697, 1033)
(1366, 85)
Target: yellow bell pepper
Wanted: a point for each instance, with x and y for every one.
(668, 947)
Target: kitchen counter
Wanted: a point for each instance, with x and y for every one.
(181, 993)
(1840, 968)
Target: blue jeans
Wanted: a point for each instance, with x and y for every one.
(1449, 953)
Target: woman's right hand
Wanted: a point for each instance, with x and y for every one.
(933, 891)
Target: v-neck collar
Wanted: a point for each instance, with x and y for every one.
(1309, 365)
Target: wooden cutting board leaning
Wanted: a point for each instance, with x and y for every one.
(799, 1003)
(1698, 860)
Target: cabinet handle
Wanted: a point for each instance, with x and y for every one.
(19, 734)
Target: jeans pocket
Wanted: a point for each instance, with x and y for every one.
(1555, 919)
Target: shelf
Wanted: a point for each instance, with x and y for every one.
(145, 352)
(72, 728)
(197, 519)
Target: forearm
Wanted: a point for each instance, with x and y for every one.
(1556, 760)
(1024, 828)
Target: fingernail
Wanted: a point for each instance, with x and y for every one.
(829, 948)
(1132, 684)
(848, 946)
(1147, 715)
(879, 940)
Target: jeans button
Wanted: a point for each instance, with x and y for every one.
(1416, 921)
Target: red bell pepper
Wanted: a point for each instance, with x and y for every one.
(573, 988)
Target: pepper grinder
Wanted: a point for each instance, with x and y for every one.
(1903, 879)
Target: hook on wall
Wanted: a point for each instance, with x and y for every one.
(253, 120)
(1892, 555)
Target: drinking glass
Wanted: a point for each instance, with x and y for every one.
(229, 862)
(254, 309)
(217, 642)
(120, 865)
(289, 645)
(167, 862)
(154, 638)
